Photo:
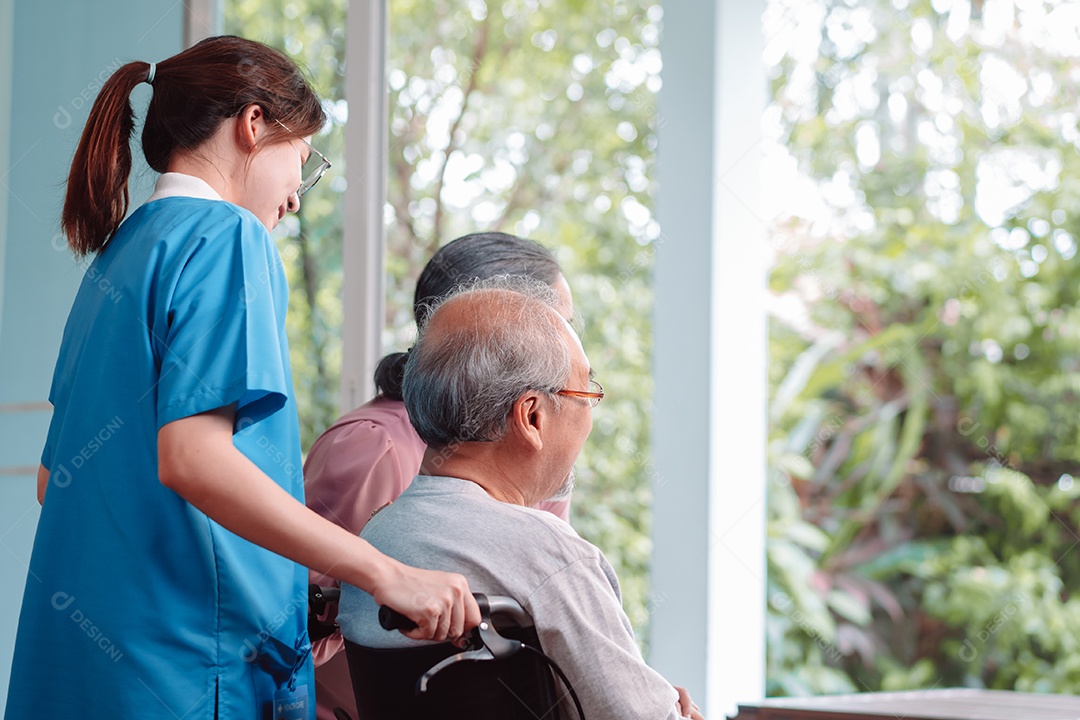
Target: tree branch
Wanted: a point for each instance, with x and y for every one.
(479, 52)
(311, 292)
(402, 171)
(401, 202)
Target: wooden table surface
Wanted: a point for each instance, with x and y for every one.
(956, 704)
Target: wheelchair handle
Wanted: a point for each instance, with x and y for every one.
(391, 619)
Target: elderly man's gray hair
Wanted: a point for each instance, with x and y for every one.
(462, 379)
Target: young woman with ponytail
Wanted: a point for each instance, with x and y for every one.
(168, 577)
(369, 456)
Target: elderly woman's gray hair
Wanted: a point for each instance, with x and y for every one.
(462, 378)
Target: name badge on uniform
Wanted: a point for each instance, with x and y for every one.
(291, 704)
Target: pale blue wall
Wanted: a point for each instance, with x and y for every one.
(7, 22)
(53, 57)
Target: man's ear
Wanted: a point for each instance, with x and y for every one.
(528, 419)
(250, 126)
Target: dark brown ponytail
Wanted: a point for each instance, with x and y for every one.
(193, 92)
(97, 186)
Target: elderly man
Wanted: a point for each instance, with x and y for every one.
(499, 388)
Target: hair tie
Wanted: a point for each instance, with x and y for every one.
(150, 74)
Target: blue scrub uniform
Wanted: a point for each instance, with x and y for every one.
(137, 605)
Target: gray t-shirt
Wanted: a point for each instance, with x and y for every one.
(564, 582)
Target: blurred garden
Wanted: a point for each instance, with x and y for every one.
(925, 345)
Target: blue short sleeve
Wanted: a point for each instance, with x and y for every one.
(223, 339)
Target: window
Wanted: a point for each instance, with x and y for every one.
(515, 116)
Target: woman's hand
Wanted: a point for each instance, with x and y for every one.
(686, 706)
(439, 603)
(42, 483)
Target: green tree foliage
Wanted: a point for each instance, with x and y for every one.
(536, 118)
(925, 344)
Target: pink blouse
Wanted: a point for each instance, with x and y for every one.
(365, 460)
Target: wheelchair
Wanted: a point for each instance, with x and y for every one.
(501, 675)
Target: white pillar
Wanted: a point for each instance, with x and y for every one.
(708, 569)
(363, 290)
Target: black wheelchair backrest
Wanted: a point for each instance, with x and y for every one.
(474, 684)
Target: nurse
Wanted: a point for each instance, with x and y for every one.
(168, 573)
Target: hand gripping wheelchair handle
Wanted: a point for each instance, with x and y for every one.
(391, 619)
(485, 643)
